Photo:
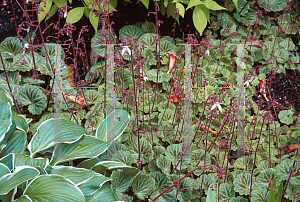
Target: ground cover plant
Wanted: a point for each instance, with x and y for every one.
(111, 124)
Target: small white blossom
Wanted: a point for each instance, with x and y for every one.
(126, 49)
(247, 83)
(146, 78)
(207, 52)
(65, 14)
(25, 47)
(216, 105)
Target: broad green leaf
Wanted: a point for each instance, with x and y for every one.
(148, 40)
(104, 166)
(97, 41)
(193, 3)
(162, 76)
(10, 47)
(180, 9)
(284, 168)
(53, 188)
(90, 186)
(51, 47)
(86, 147)
(76, 175)
(94, 20)
(3, 170)
(146, 3)
(272, 5)
(173, 153)
(164, 164)
(25, 62)
(291, 190)
(52, 11)
(5, 119)
(212, 5)
(272, 191)
(44, 9)
(279, 193)
(258, 194)
(8, 161)
(131, 31)
(23, 198)
(235, 3)
(243, 163)
(11, 180)
(199, 19)
(143, 185)
(44, 138)
(20, 160)
(102, 195)
(16, 141)
(113, 127)
(242, 183)
(75, 15)
(162, 182)
(20, 121)
(282, 55)
(59, 3)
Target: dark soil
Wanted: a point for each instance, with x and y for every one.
(283, 89)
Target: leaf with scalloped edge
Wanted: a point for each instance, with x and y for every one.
(131, 31)
(9, 47)
(121, 181)
(148, 40)
(265, 176)
(243, 162)
(226, 191)
(164, 164)
(242, 183)
(143, 185)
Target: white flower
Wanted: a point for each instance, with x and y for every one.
(65, 14)
(216, 105)
(25, 47)
(207, 52)
(146, 78)
(126, 49)
(247, 83)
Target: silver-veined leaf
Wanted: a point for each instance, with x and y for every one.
(143, 185)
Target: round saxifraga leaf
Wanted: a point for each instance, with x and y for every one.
(286, 116)
(34, 97)
(9, 47)
(131, 31)
(143, 185)
(267, 175)
(242, 183)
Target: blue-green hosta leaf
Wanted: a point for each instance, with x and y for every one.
(121, 181)
(242, 183)
(8, 161)
(143, 185)
(113, 126)
(53, 188)
(88, 163)
(9, 47)
(20, 160)
(44, 138)
(226, 192)
(162, 76)
(76, 175)
(173, 153)
(259, 194)
(5, 98)
(162, 182)
(102, 195)
(148, 40)
(265, 176)
(286, 116)
(16, 141)
(5, 119)
(104, 166)
(243, 162)
(3, 170)
(272, 5)
(23, 198)
(86, 147)
(131, 31)
(164, 164)
(97, 41)
(282, 55)
(90, 186)
(34, 97)
(11, 180)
